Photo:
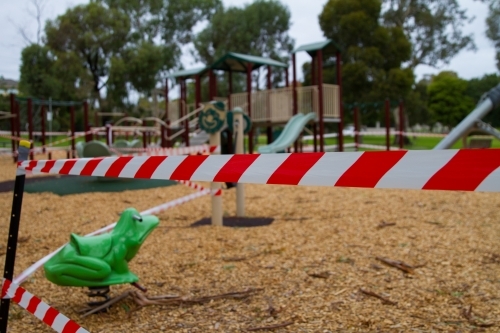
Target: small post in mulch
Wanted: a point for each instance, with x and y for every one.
(15, 217)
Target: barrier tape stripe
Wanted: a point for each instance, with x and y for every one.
(155, 210)
(50, 316)
(40, 133)
(77, 135)
(165, 151)
(466, 170)
(198, 187)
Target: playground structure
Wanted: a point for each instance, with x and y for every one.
(270, 107)
(266, 109)
(431, 170)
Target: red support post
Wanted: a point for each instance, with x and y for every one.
(186, 121)
(12, 124)
(401, 125)
(315, 137)
(163, 142)
(294, 93)
(356, 128)
(42, 124)
(269, 128)
(313, 70)
(166, 100)
(215, 86)
(287, 81)
(230, 86)
(197, 89)
(269, 76)
(387, 125)
(294, 84)
(321, 102)
(341, 106)
(72, 122)
(86, 126)
(108, 135)
(30, 126)
(169, 133)
(210, 85)
(249, 106)
(18, 119)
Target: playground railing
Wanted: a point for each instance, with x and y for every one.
(281, 104)
(331, 105)
(276, 105)
(189, 115)
(173, 111)
(307, 99)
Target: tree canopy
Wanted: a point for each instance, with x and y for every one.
(448, 101)
(107, 48)
(493, 27)
(94, 34)
(372, 54)
(259, 28)
(434, 28)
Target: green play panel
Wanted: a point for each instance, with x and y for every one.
(64, 185)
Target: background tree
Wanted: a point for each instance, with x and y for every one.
(493, 27)
(259, 28)
(106, 49)
(94, 34)
(434, 28)
(416, 103)
(372, 54)
(477, 87)
(158, 30)
(448, 102)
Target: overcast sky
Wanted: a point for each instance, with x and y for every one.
(305, 29)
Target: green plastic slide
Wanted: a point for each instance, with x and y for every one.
(290, 133)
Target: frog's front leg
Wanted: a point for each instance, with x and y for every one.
(78, 271)
(120, 272)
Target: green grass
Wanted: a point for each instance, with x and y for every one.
(418, 143)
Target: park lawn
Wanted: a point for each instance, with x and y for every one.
(418, 143)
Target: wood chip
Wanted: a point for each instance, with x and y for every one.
(178, 262)
(270, 327)
(397, 264)
(384, 224)
(380, 297)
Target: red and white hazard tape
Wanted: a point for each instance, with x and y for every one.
(392, 132)
(76, 136)
(39, 150)
(10, 137)
(376, 147)
(50, 316)
(199, 187)
(459, 170)
(41, 133)
(155, 210)
(167, 151)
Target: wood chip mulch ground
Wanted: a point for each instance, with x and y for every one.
(332, 260)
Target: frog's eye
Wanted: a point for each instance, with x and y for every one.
(137, 217)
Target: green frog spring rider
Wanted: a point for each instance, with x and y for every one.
(101, 261)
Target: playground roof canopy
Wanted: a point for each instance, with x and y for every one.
(236, 62)
(188, 73)
(328, 45)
